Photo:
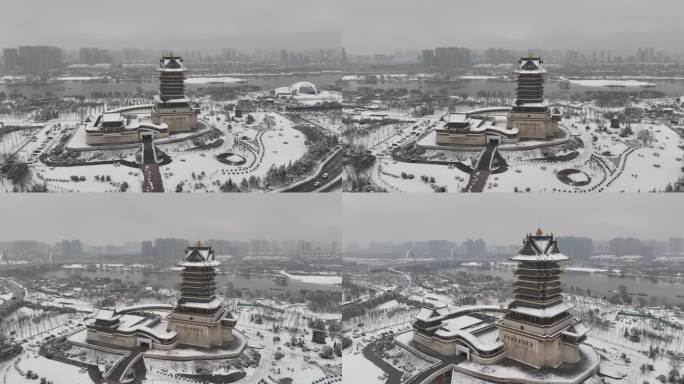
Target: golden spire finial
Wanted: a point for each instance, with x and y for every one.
(199, 243)
(539, 232)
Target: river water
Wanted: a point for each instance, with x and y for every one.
(664, 291)
(169, 279)
(553, 89)
(85, 88)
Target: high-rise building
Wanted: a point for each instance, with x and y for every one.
(11, 58)
(94, 56)
(428, 59)
(148, 249)
(474, 248)
(71, 248)
(621, 246)
(576, 247)
(169, 249)
(676, 245)
(40, 58)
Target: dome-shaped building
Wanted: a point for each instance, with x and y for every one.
(304, 88)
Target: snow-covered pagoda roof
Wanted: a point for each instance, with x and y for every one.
(427, 315)
(539, 247)
(199, 256)
(171, 64)
(547, 312)
(577, 330)
(530, 65)
(106, 315)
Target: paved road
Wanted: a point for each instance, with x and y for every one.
(119, 370)
(152, 176)
(334, 186)
(333, 167)
(394, 374)
(421, 376)
(479, 176)
(484, 163)
(477, 181)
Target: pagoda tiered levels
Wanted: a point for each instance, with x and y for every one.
(198, 286)
(530, 113)
(200, 317)
(171, 78)
(530, 81)
(539, 329)
(172, 107)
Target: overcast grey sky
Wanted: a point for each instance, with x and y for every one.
(388, 25)
(113, 219)
(506, 218)
(172, 24)
(362, 26)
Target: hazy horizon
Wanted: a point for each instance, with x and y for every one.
(210, 24)
(99, 219)
(380, 26)
(506, 219)
(384, 26)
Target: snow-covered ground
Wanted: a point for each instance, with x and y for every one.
(608, 82)
(271, 146)
(357, 369)
(315, 279)
(632, 166)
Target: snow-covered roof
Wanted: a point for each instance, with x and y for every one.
(215, 303)
(457, 118)
(475, 126)
(304, 87)
(111, 117)
(460, 323)
(425, 314)
(543, 104)
(539, 247)
(171, 64)
(199, 256)
(530, 65)
(105, 314)
(577, 330)
(149, 325)
(543, 312)
(183, 99)
(458, 327)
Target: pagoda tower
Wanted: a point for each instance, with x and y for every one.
(171, 78)
(530, 112)
(200, 317)
(530, 81)
(171, 106)
(539, 330)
